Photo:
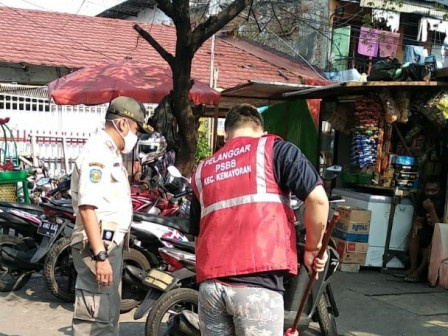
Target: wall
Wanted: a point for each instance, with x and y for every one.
(151, 15)
(313, 37)
(49, 132)
(29, 74)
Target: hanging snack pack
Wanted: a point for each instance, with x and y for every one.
(403, 101)
(364, 146)
(390, 108)
(436, 109)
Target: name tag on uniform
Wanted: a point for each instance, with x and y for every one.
(108, 230)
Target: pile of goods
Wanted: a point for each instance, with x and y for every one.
(364, 147)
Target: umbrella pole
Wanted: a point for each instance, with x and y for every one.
(215, 128)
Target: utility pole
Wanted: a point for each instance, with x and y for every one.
(212, 10)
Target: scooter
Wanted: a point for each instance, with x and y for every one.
(148, 233)
(20, 256)
(175, 312)
(23, 220)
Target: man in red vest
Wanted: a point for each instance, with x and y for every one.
(246, 238)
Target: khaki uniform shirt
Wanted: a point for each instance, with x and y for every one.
(99, 179)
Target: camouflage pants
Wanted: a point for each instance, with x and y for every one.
(233, 310)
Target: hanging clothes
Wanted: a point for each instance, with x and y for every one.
(389, 44)
(432, 25)
(340, 47)
(414, 54)
(368, 41)
(392, 19)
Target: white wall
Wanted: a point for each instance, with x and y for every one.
(151, 15)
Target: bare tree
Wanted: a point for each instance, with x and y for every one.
(189, 40)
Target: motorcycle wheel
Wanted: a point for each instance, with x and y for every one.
(12, 279)
(59, 272)
(131, 294)
(325, 316)
(167, 306)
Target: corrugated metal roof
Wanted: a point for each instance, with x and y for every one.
(29, 91)
(127, 9)
(359, 88)
(442, 2)
(424, 8)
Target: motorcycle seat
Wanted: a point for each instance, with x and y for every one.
(188, 246)
(21, 206)
(181, 224)
(59, 205)
(62, 202)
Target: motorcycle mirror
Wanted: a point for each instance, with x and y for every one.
(331, 172)
(43, 181)
(174, 172)
(334, 169)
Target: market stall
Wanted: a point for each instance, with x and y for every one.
(389, 137)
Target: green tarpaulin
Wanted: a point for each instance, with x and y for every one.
(293, 122)
(340, 47)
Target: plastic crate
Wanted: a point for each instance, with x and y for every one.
(10, 182)
(364, 178)
(8, 192)
(349, 178)
(357, 178)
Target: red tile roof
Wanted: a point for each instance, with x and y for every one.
(74, 41)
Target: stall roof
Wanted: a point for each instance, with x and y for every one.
(359, 88)
(259, 93)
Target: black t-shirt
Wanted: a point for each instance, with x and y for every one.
(421, 212)
(293, 172)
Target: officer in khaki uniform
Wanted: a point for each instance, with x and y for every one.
(102, 202)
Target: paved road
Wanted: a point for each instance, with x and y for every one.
(33, 311)
(371, 303)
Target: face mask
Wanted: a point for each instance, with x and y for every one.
(129, 139)
(434, 198)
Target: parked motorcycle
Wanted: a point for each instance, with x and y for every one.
(21, 256)
(147, 233)
(165, 196)
(60, 273)
(23, 219)
(174, 289)
(175, 312)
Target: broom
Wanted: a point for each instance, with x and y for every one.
(325, 240)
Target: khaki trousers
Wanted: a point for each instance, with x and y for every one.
(97, 308)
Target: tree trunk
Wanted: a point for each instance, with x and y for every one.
(182, 108)
(187, 43)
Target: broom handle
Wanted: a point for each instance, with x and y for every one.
(325, 240)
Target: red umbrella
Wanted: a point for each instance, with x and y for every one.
(99, 84)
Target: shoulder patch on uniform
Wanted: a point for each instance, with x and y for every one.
(95, 175)
(110, 145)
(98, 164)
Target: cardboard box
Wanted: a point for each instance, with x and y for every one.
(349, 268)
(351, 236)
(351, 252)
(352, 214)
(353, 227)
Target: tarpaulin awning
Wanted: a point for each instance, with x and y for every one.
(99, 84)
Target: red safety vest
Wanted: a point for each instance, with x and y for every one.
(246, 221)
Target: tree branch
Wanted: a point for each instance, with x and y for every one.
(165, 54)
(215, 22)
(276, 18)
(166, 7)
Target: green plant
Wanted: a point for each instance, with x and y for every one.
(203, 149)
